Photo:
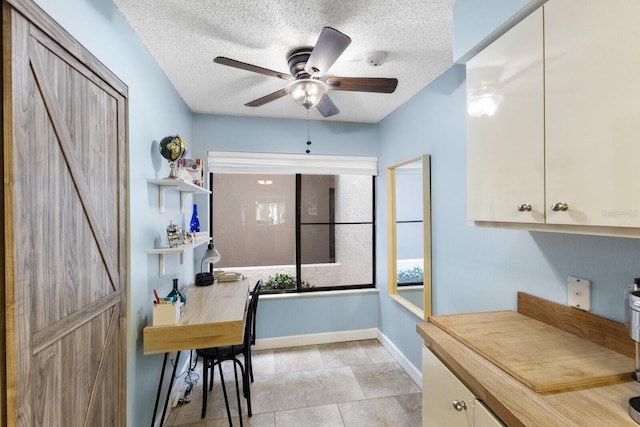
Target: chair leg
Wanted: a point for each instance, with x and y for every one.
(247, 386)
(224, 389)
(246, 390)
(235, 372)
(211, 378)
(205, 368)
(249, 363)
(244, 374)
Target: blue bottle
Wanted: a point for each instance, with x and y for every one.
(176, 293)
(195, 222)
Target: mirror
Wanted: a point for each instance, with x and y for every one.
(409, 234)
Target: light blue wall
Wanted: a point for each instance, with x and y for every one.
(473, 20)
(230, 133)
(155, 110)
(306, 315)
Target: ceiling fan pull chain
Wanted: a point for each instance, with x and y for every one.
(308, 134)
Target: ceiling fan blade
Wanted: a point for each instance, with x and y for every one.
(266, 99)
(249, 67)
(328, 48)
(363, 84)
(327, 107)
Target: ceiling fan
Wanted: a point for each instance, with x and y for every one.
(307, 65)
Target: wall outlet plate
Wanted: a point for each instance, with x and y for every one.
(579, 293)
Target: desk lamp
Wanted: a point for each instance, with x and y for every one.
(211, 256)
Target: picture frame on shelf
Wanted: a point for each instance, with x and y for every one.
(191, 170)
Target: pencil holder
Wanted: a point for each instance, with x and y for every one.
(166, 314)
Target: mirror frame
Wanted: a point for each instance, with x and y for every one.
(392, 236)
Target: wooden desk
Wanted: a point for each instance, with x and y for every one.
(213, 316)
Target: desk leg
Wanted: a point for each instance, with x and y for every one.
(155, 408)
(173, 377)
(166, 402)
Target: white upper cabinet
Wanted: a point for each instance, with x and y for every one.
(505, 127)
(592, 89)
(561, 150)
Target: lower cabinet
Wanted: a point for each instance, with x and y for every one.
(483, 417)
(446, 401)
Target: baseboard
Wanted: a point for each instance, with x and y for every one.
(410, 369)
(312, 339)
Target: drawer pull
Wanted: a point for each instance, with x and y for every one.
(525, 207)
(559, 206)
(459, 405)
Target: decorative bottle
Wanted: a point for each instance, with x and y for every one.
(175, 292)
(195, 222)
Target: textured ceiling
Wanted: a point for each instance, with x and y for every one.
(185, 35)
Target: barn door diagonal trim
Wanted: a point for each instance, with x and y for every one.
(101, 372)
(54, 332)
(65, 141)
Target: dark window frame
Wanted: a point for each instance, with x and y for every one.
(298, 255)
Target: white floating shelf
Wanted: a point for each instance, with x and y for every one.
(180, 249)
(179, 185)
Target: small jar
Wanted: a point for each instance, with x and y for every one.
(173, 234)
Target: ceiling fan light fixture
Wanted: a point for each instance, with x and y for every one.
(307, 92)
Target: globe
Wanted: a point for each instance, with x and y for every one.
(173, 148)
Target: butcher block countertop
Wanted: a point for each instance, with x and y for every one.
(545, 365)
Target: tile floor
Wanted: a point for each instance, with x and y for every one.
(356, 383)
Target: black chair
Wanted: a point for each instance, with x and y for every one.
(217, 355)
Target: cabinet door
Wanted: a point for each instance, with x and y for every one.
(592, 64)
(483, 417)
(505, 148)
(440, 390)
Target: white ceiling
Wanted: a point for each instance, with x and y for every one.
(185, 35)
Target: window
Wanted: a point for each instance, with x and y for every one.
(300, 232)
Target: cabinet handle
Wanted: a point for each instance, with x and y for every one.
(459, 405)
(559, 206)
(524, 207)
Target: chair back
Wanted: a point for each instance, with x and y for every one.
(250, 325)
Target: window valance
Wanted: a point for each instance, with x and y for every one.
(282, 163)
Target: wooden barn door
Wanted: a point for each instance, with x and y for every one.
(64, 142)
